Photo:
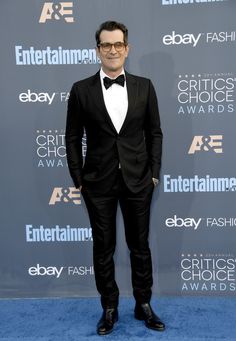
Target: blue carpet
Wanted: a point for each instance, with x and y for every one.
(186, 318)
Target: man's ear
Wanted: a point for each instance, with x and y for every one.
(98, 51)
(127, 48)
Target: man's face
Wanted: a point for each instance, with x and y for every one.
(113, 60)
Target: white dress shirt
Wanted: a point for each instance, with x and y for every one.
(116, 101)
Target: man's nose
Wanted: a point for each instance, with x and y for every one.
(113, 50)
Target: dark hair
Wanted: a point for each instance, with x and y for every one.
(111, 26)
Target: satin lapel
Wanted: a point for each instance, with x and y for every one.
(132, 88)
(96, 94)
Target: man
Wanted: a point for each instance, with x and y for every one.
(119, 113)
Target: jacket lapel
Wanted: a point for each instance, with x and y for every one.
(132, 88)
(96, 94)
(95, 91)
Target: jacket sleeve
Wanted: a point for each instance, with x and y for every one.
(73, 137)
(153, 133)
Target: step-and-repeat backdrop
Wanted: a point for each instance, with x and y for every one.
(187, 48)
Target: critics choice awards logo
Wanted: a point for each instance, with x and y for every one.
(50, 148)
(205, 94)
(207, 273)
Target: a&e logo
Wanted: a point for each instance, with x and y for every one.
(57, 11)
(206, 144)
(65, 195)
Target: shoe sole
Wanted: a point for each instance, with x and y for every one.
(109, 332)
(105, 333)
(157, 329)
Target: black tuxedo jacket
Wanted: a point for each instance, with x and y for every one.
(137, 147)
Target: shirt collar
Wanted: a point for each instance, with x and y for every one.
(102, 74)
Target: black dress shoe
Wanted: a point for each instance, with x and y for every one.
(106, 323)
(144, 312)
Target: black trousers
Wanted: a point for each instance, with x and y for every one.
(135, 209)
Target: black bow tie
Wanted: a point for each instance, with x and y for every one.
(108, 81)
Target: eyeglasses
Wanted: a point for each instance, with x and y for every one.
(119, 46)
